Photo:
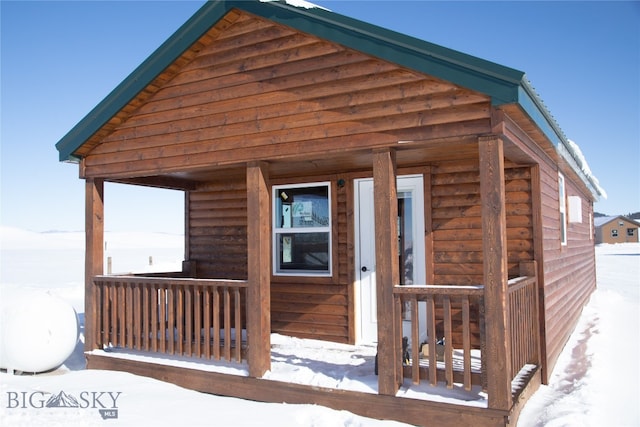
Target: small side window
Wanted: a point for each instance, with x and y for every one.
(614, 232)
(562, 199)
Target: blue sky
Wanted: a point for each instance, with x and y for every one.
(59, 59)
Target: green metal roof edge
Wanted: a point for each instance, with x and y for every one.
(144, 74)
(531, 103)
(503, 84)
(484, 76)
(500, 82)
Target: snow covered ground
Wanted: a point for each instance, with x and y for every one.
(594, 384)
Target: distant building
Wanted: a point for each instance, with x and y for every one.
(616, 229)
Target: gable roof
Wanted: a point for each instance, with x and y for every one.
(504, 85)
(602, 220)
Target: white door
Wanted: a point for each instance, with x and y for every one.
(411, 244)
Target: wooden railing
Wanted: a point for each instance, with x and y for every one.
(523, 322)
(191, 317)
(449, 322)
(455, 326)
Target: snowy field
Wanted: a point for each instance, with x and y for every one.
(594, 384)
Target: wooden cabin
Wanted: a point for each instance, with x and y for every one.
(345, 183)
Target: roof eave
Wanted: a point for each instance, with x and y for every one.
(497, 81)
(531, 103)
(502, 84)
(136, 82)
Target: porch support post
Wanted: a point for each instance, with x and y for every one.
(259, 270)
(494, 246)
(94, 254)
(387, 273)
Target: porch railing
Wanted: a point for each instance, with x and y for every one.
(200, 318)
(447, 313)
(523, 322)
(449, 322)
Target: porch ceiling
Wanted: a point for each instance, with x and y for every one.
(409, 154)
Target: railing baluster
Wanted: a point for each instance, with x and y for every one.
(448, 341)
(171, 322)
(162, 318)
(106, 314)
(208, 313)
(187, 318)
(431, 332)
(155, 306)
(238, 324)
(137, 316)
(128, 329)
(197, 322)
(227, 324)
(146, 318)
(114, 315)
(122, 304)
(466, 342)
(216, 323)
(415, 341)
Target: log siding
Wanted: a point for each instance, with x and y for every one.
(262, 93)
(251, 100)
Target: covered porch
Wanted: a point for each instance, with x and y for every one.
(485, 336)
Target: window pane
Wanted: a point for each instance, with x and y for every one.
(302, 207)
(303, 251)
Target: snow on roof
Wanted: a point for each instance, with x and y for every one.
(584, 166)
(297, 3)
(601, 220)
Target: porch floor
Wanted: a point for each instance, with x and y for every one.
(315, 363)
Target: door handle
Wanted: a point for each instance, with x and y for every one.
(364, 268)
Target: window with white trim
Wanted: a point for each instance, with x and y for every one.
(302, 229)
(562, 199)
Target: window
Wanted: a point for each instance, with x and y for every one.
(562, 199)
(614, 232)
(631, 232)
(302, 229)
(575, 209)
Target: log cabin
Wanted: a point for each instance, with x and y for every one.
(346, 183)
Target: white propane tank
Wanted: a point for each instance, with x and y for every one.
(38, 331)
